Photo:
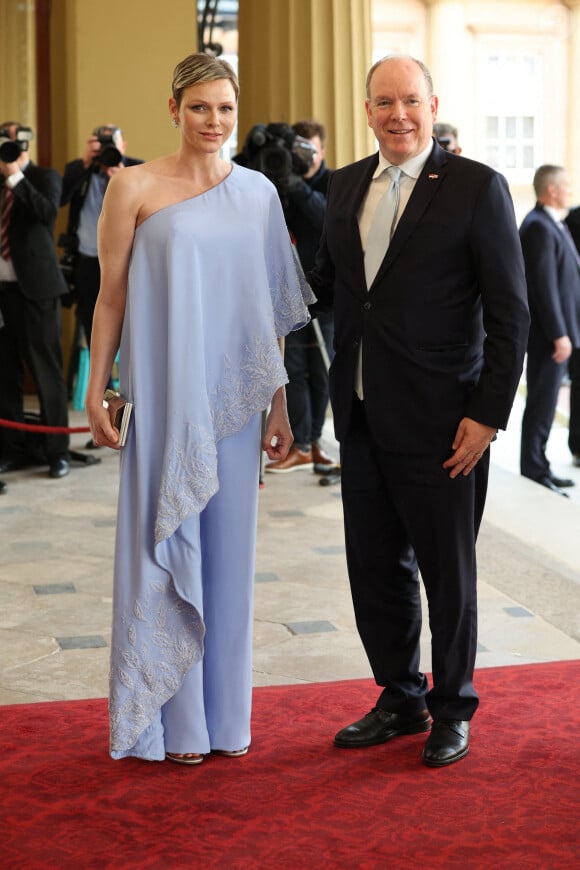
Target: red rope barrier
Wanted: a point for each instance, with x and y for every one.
(50, 430)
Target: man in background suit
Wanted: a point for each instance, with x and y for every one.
(31, 285)
(553, 281)
(573, 224)
(428, 355)
(304, 204)
(84, 184)
(448, 137)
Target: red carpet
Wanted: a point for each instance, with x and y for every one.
(295, 801)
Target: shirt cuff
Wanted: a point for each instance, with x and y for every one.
(12, 180)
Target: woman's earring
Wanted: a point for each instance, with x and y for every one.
(174, 122)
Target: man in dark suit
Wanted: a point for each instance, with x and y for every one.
(573, 224)
(83, 189)
(428, 355)
(304, 204)
(553, 281)
(31, 285)
(84, 184)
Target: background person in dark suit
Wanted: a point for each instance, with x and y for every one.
(304, 204)
(553, 281)
(447, 136)
(31, 285)
(84, 184)
(428, 355)
(573, 224)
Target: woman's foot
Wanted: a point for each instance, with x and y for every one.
(231, 753)
(185, 758)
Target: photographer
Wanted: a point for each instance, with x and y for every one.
(84, 183)
(293, 159)
(31, 285)
(447, 136)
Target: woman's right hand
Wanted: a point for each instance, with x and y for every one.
(103, 432)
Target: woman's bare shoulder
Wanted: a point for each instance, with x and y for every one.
(144, 188)
(142, 175)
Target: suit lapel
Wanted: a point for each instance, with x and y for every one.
(425, 189)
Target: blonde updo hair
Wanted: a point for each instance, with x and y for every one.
(197, 68)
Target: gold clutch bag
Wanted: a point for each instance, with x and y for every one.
(119, 412)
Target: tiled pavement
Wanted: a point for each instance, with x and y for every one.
(56, 561)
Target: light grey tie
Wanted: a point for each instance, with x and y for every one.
(382, 226)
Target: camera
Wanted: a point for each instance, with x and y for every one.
(277, 152)
(109, 155)
(444, 141)
(12, 148)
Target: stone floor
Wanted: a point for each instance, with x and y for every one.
(56, 563)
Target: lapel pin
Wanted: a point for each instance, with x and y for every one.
(433, 175)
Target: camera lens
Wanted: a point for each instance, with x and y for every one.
(10, 151)
(109, 156)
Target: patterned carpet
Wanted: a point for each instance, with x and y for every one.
(295, 801)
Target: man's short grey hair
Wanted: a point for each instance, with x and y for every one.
(424, 69)
(546, 175)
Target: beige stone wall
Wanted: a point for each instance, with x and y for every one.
(17, 50)
(113, 62)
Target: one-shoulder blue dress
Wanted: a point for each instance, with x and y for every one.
(213, 280)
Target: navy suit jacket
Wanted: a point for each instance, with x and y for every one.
(445, 323)
(553, 281)
(36, 201)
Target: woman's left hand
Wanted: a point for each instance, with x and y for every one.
(278, 436)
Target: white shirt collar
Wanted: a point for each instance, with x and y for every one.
(412, 167)
(555, 213)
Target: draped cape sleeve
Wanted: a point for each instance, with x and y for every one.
(213, 281)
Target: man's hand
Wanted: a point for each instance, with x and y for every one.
(91, 151)
(8, 169)
(562, 349)
(471, 440)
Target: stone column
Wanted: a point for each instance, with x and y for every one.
(448, 58)
(573, 114)
(307, 59)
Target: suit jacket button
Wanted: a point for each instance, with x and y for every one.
(367, 305)
(355, 344)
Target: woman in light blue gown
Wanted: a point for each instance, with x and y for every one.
(198, 282)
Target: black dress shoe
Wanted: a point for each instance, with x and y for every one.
(378, 726)
(549, 484)
(561, 482)
(7, 465)
(59, 468)
(3, 487)
(448, 742)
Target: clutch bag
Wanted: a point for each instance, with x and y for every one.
(119, 412)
